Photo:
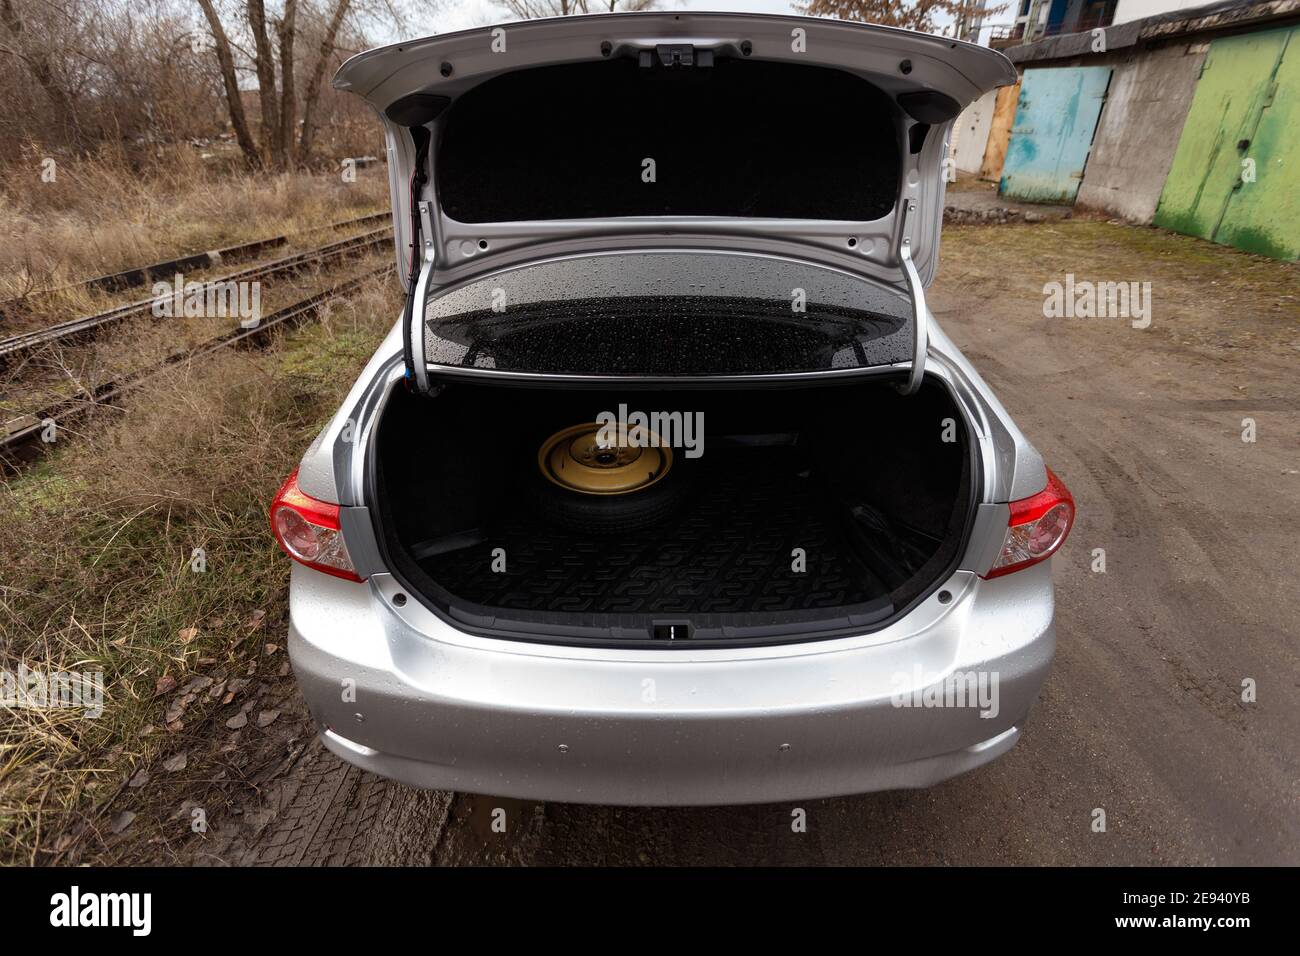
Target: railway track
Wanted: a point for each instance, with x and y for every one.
(61, 332)
(129, 278)
(24, 437)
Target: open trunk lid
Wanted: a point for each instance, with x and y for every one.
(810, 139)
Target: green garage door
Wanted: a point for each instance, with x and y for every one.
(1245, 108)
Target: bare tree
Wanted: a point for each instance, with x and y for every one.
(288, 104)
(40, 64)
(230, 81)
(533, 9)
(273, 61)
(264, 63)
(137, 77)
(911, 14)
(84, 74)
(309, 99)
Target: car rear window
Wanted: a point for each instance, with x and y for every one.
(742, 138)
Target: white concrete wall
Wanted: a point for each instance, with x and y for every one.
(1127, 10)
(971, 133)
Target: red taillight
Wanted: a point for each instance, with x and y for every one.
(1037, 527)
(308, 530)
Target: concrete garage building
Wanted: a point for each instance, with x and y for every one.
(1189, 119)
(1142, 120)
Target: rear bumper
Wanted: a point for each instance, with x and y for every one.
(401, 693)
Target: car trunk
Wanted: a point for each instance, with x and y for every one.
(809, 512)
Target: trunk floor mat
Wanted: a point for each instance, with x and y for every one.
(727, 551)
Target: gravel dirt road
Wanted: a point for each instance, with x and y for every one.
(1142, 716)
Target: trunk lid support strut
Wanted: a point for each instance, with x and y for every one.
(916, 290)
(415, 334)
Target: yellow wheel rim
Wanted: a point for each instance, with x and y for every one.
(597, 459)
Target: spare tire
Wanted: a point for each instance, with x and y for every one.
(586, 482)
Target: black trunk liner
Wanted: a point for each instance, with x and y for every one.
(727, 551)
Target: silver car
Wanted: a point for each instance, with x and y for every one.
(667, 488)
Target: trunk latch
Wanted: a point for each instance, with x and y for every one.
(676, 54)
(671, 631)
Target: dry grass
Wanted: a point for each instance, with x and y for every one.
(96, 547)
(971, 183)
(101, 216)
(1188, 274)
(62, 370)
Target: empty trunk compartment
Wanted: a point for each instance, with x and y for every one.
(800, 513)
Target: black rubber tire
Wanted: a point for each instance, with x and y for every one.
(610, 514)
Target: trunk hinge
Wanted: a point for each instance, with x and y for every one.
(418, 368)
(917, 292)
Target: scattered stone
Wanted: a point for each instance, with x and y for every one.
(138, 779)
(267, 717)
(271, 649)
(122, 821)
(239, 720)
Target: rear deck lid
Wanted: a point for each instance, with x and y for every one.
(816, 141)
(719, 129)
